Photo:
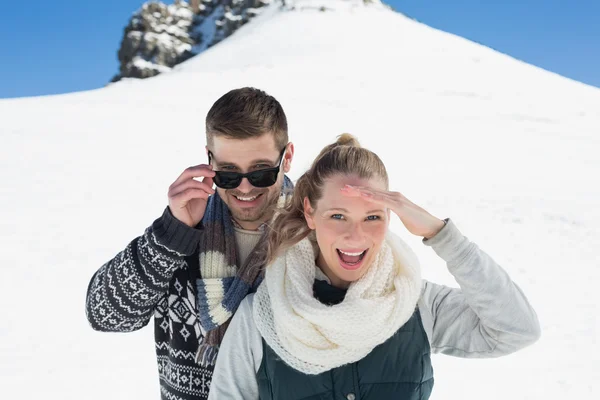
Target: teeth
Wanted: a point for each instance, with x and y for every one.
(246, 198)
(351, 254)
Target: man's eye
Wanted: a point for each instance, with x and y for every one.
(337, 216)
(373, 217)
(262, 166)
(228, 167)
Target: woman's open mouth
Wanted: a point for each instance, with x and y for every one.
(351, 259)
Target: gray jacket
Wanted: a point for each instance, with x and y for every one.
(489, 316)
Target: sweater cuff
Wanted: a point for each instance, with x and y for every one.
(449, 243)
(175, 235)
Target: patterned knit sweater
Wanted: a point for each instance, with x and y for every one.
(155, 276)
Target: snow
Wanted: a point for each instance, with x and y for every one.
(333, 5)
(208, 29)
(181, 12)
(164, 38)
(143, 64)
(506, 149)
(233, 17)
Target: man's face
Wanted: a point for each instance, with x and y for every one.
(250, 206)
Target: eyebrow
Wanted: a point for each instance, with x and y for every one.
(257, 161)
(345, 210)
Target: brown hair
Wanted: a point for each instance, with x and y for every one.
(345, 156)
(245, 113)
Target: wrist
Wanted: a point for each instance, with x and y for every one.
(438, 226)
(175, 235)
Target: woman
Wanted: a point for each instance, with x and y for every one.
(342, 312)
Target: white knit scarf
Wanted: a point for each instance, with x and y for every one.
(312, 337)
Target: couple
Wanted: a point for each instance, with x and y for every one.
(261, 291)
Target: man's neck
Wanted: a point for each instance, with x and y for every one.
(248, 225)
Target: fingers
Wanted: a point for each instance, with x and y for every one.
(191, 186)
(196, 171)
(368, 193)
(350, 191)
(181, 199)
(208, 181)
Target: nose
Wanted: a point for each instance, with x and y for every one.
(245, 186)
(354, 234)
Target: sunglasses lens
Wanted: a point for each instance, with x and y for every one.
(227, 180)
(264, 178)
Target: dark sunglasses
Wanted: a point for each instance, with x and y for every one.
(261, 178)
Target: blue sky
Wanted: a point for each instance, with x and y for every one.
(64, 46)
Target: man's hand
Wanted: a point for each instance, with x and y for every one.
(188, 197)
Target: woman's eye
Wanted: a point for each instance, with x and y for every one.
(337, 216)
(373, 218)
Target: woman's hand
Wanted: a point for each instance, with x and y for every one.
(418, 221)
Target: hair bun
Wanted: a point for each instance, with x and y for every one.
(346, 139)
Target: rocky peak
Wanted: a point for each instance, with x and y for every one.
(160, 36)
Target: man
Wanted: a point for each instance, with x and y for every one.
(192, 267)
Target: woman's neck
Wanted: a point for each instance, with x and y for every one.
(333, 279)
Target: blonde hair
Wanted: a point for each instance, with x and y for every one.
(344, 156)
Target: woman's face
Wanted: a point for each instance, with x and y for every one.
(349, 230)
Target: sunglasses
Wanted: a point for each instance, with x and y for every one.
(261, 178)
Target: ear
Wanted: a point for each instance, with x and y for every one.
(308, 214)
(287, 158)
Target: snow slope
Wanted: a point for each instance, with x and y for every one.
(506, 149)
